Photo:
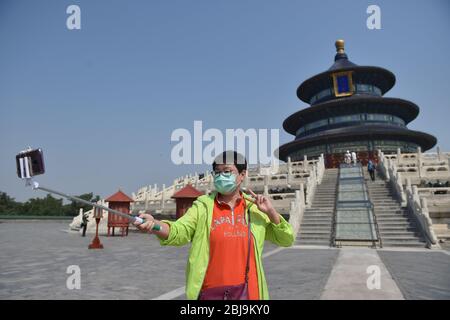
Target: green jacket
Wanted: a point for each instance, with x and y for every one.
(195, 225)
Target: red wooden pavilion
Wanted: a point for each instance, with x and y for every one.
(120, 202)
(184, 199)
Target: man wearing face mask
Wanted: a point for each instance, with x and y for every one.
(225, 260)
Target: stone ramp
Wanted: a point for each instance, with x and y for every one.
(355, 222)
(350, 275)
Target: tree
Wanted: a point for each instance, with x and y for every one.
(8, 205)
(73, 208)
(47, 206)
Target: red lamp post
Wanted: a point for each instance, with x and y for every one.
(96, 244)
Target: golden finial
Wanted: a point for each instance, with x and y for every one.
(339, 46)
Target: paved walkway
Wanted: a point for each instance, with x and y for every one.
(35, 257)
(359, 274)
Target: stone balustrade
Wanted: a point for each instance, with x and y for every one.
(259, 178)
(418, 207)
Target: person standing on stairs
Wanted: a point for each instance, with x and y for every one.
(347, 157)
(354, 158)
(371, 169)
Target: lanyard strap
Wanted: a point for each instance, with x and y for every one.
(247, 268)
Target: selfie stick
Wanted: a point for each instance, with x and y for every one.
(35, 185)
(30, 160)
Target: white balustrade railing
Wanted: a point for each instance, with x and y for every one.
(297, 209)
(417, 205)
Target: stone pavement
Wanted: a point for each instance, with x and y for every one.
(35, 257)
(421, 274)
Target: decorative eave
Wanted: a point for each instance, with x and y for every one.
(404, 109)
(119, 196)
(187, 192)
(359, 132)
(379, 77)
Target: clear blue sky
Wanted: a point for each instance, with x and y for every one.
(103, 101)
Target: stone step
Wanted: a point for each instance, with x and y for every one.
(398, 228)
(383, 220)
(313, 242)
(383, 197)
(306, 221)
(322, 206)
(320, 228)
(402, 223)
(393, 234)
(382, 193)
(314, 237)
(322, 224)
(385, 203)
(321, 213)
(314, 233)
(402, 240)
(320, 203)
(405, 244)
(387, 215)
(386, 208)
(320, 216)
(392, 217)
(393, 211)
(325, 221)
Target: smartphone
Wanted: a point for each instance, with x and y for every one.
(30, 163)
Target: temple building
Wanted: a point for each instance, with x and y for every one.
(348, 112)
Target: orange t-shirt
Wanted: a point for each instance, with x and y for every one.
(229, 249)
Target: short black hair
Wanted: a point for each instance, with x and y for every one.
(231, 157)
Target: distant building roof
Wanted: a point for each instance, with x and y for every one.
(119, 196)
(187, 192)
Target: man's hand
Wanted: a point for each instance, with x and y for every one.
(147, 225)
(265, 205)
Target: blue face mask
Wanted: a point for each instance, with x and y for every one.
(225, 183)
